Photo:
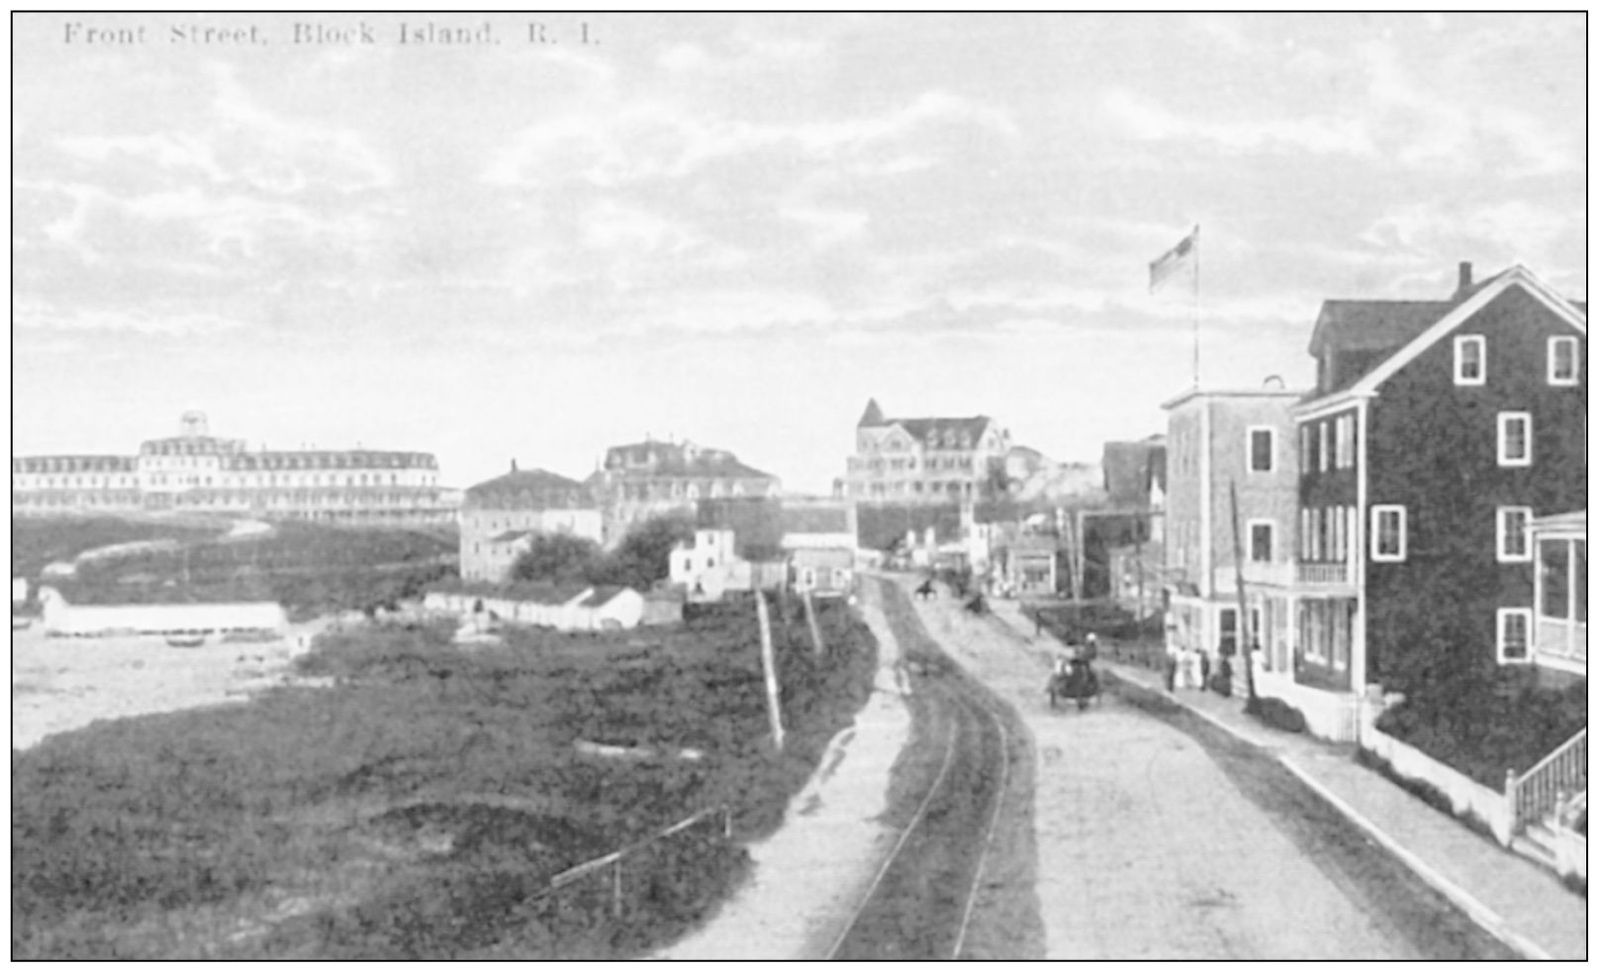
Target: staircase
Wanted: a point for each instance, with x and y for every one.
(1545, 805)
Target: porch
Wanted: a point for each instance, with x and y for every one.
(1560, 635)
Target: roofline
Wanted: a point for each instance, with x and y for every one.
(1335, 401)
(1185, 396)
(1563, 522)
(1516, 275)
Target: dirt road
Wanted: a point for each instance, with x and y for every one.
(1156, 843)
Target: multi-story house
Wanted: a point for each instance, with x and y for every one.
(647, 479)
(925, 460)
(1219, 441)
(1439, 431)
(501, 516)
(195, 471)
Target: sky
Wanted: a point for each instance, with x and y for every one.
(581, 230)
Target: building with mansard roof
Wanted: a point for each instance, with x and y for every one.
(647, 479)
(197, 472)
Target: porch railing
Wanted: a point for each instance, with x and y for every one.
(1537, 793)
(1323, 573)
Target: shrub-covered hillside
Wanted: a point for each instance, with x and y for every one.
(417, 807)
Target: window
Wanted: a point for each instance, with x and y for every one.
(1346, 441)
(1260, 449)
(1513, 544)
(1262, 541)
(1388, 529)
(1513, 438)
(1513, 634)
(1563, 360)
(1553, 579)
(1469, 360)
(1324, 446)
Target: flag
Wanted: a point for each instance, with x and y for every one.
(1181, 256)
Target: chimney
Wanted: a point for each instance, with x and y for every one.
(1466, 277)
(514, 465)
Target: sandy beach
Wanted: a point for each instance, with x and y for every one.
(59, 684)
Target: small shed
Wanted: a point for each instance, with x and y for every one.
(825, 572)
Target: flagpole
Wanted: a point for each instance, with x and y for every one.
(1196, 305)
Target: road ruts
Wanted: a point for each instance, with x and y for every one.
(922, 901)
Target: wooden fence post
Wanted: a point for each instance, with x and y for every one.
(812, 623)
(617, 888)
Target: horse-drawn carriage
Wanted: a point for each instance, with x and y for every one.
(1078, 682)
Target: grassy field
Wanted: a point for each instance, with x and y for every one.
(415, 808)
(37, 542)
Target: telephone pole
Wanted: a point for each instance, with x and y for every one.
(1242, 627)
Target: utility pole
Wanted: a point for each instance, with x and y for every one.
(1242, 626)
(770, 676)
(1140, 579)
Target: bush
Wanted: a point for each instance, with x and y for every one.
(1419, 789)
(1276, 713)
(1486, 726)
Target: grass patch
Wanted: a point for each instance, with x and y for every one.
(38, 542)
(415, 809)
(309, 568)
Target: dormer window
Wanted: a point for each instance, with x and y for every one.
(1469, 360)
(1563, 361)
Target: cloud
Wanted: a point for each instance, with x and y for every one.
(222, 224)
(1147, 120)
(1468, 132)
(826, 226)
(186, 153)
(34, 315)
(656, 139)
(281, 156)
(612, 225)
(1513, 229)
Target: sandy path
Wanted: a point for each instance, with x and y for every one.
(809, 875)
(1146, 849)
(62, 683)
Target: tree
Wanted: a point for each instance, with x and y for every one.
(558, 559)
(642, 559)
